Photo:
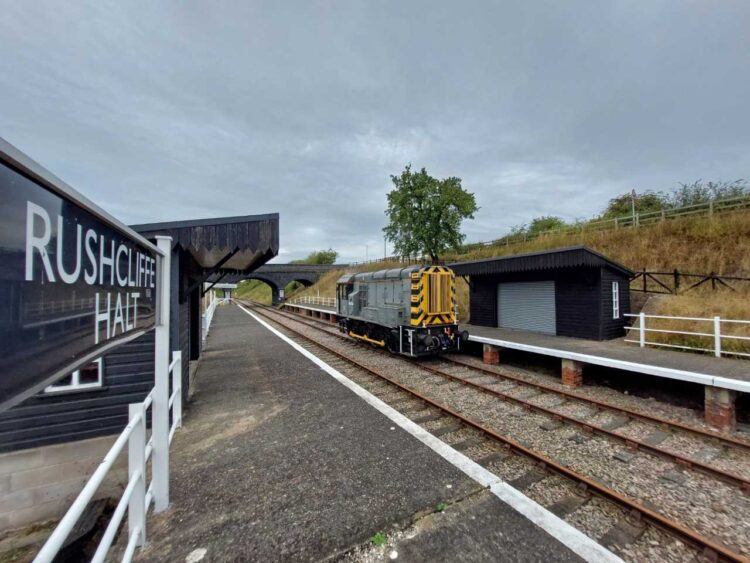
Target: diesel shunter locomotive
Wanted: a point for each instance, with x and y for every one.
(410, 311)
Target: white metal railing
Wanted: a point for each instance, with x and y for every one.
(315, 300)
(139, 492)
(208, 315)
(714, 333)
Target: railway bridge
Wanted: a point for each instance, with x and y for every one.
(278, 276)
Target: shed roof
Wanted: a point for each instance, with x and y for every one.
(209, 240)
(567, 257)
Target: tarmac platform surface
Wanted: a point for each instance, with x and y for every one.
(278, 461)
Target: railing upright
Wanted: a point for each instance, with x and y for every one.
(717, 337)
(642, 329)
(137, 466)
(160, 408)
(177, 389)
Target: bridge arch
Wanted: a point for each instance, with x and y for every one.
(279, 276)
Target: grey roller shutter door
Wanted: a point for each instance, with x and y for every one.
(527, 306)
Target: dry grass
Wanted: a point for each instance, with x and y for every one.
(693, 245)
(326, 285)
(703, 304)
(699, 244)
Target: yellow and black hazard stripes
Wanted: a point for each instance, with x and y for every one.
(417, 298)
(433, 296)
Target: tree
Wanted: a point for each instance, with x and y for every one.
(646, 202)
(425, 213)
(700, 192)
(545, 223)
(319, 257)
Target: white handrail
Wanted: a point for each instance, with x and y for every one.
(717, 334)
(315, 300)
(138, 492)
(208, 315)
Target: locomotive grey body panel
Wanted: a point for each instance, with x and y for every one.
(379, 297)
(410, 310)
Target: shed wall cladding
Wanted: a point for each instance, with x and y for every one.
(611, 327)
(483, 301)
(51, 419)
(578, 299)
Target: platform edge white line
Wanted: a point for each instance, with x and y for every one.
(575, 540)
(649, 369)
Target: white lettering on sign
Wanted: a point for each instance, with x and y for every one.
(106, 262)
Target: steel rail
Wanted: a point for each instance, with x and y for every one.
(728, 440)
(633, 443)
(633, 505)
(724, 439)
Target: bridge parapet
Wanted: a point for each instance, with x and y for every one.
(278, 276)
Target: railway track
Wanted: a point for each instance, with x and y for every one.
(636, 511)
(661, 423)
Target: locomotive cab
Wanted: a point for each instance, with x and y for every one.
(410, 311)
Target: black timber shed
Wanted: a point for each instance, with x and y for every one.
(201, 249)
(572, 291)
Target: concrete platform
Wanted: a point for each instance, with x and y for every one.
(696, 368)
(277, 460)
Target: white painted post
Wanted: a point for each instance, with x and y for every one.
(137, 464)
(642, 328)
(160, 408)
(717, 337)
(204, 326)
(177, 384)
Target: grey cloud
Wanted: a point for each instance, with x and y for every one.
(164, 111)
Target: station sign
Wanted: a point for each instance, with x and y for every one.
(72, 284)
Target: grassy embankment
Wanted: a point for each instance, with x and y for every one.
(692, 245)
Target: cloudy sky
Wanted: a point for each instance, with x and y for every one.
(164, 110)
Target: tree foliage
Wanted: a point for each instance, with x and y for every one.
(686, 194)
(702, 192)
(646, 202)
(319, 257)
(425, 213)
(544, 223)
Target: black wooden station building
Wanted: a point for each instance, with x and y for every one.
(96, 404)
(572, 291)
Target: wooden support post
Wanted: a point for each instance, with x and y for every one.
(720, 409)
(572, 373)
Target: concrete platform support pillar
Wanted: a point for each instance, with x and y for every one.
(720, 408)
(490, 354)
(572, 373)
